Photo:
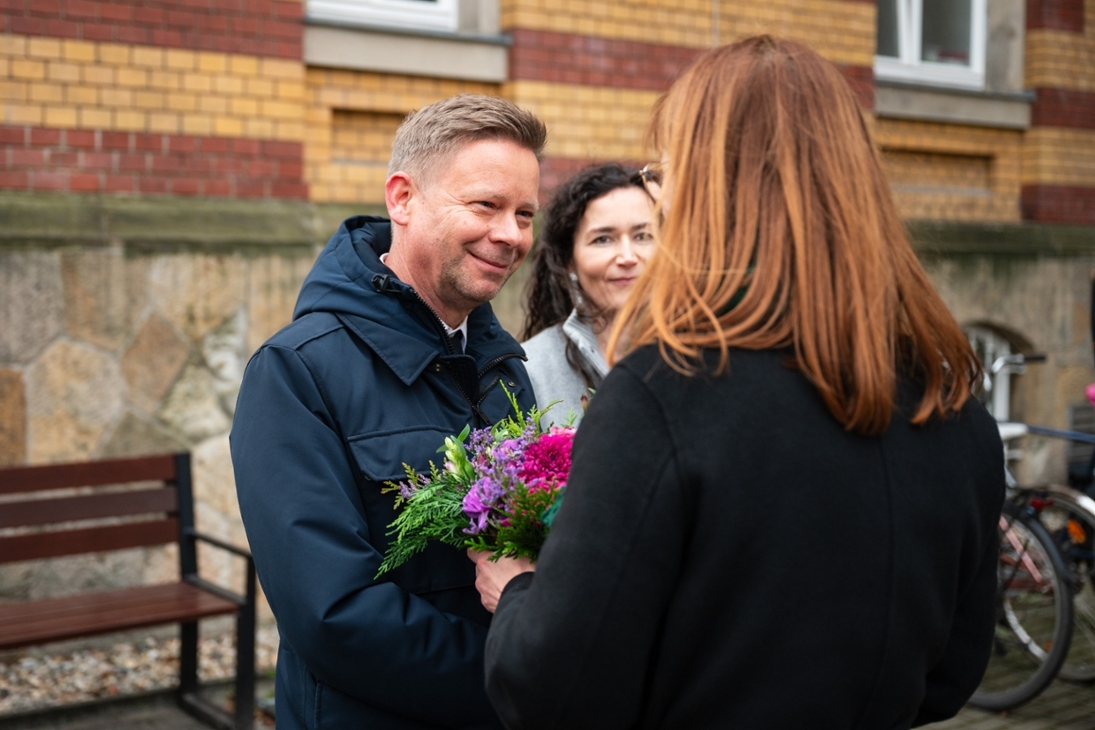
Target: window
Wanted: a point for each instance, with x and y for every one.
(933, 41)
(412, 14)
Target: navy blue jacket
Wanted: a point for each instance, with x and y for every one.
(362, 381)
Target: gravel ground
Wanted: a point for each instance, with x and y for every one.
(35, 682)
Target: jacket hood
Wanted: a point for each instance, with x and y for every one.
(349, 281)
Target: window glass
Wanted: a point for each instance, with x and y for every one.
(887, 29)
(945, 35)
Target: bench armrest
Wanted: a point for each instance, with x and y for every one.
(248, 599)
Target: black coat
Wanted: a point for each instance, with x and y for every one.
(728, 556)
(362, 381)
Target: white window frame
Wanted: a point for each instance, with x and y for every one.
(909, 67)
(438, 15)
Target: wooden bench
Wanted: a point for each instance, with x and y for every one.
(123, 503)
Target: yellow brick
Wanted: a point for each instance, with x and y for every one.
(60, 116)
(46, 93)
(181, 101)
(24, 114)
(290, 90)
(130, 120)
(164, 80)
(114, 54)
(163, 123)
(228, 126)
(148, 100)
(197, 82)
(133, 77)
(116, 97)
(73, 50)
(14, 91)
(56, 71)
(181, 60)
(81, 95)
(99, 75)
(244, 65)
(213, 62)
(293, 131)
(228, 84)
(148, 56)
(211, 104)
(281, 110)
(12, 45)
(197, 124)
(260, 87)
(243, 106)
(95, 118)
(22, 68)
(44, 48)
(279, 68)
(260, 128)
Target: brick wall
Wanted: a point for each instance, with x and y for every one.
(1059, 150)
(255, 27)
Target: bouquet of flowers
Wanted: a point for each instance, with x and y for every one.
(497, 491)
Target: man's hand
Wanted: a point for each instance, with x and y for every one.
(491, 577)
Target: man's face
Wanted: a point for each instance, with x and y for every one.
(468, 226)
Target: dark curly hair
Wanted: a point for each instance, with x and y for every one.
(549, 292)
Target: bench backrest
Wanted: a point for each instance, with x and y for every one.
(123, 503)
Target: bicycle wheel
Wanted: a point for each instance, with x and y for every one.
(1034, 615)
(1069, 516)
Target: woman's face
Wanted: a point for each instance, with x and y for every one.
(611, 247)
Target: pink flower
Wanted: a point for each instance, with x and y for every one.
(547, 461)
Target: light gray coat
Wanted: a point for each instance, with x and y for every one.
(554, 378)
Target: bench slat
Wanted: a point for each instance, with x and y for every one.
(88, 507)
(53, 544)
(18, 479)
(70, 617)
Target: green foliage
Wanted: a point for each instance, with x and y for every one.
(432, 512)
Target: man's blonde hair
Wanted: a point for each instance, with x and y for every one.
(426, 137)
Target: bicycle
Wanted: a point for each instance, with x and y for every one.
(1065, 528)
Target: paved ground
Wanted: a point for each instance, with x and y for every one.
(1061, 707)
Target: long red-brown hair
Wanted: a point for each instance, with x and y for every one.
(779, 231)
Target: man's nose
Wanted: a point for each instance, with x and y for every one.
(507, 229)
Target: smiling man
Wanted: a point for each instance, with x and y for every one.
(392, 347)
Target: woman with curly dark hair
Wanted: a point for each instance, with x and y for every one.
(595, 241)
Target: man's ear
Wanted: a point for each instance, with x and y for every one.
(399, 191)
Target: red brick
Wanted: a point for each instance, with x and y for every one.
(150, 142)
(132, 34)
(288, 150)
(170, 38)
(199, 164)
(64, 159)
(290, 50)
(260, 168)
(118, 184)
(116, 140)
(181, 143)
(81, 9)
(62, 28)
(230, 165)
(153, 184)
(83, 182)
(1059, 204)
(42, 180)
(30, 26)
(98, 32)
(259, 7)
(218, 187)
(137, 162)
(182, 19)
(289, 190)
(289, 10)
(245, 26)
(165, 163)
(41, 137)
(250, 189)
(148, 16)
(46, 7)
(213, 144)
(13, 135)
(26, 158)
(185, 186)
(290, 170)
(1067, 15)
(12, 5)
(245, 146)
(112, 11)
(98, 161)
(14, 179)
(80, 138)
(1063, 108)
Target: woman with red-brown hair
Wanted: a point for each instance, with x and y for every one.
(783, 504)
